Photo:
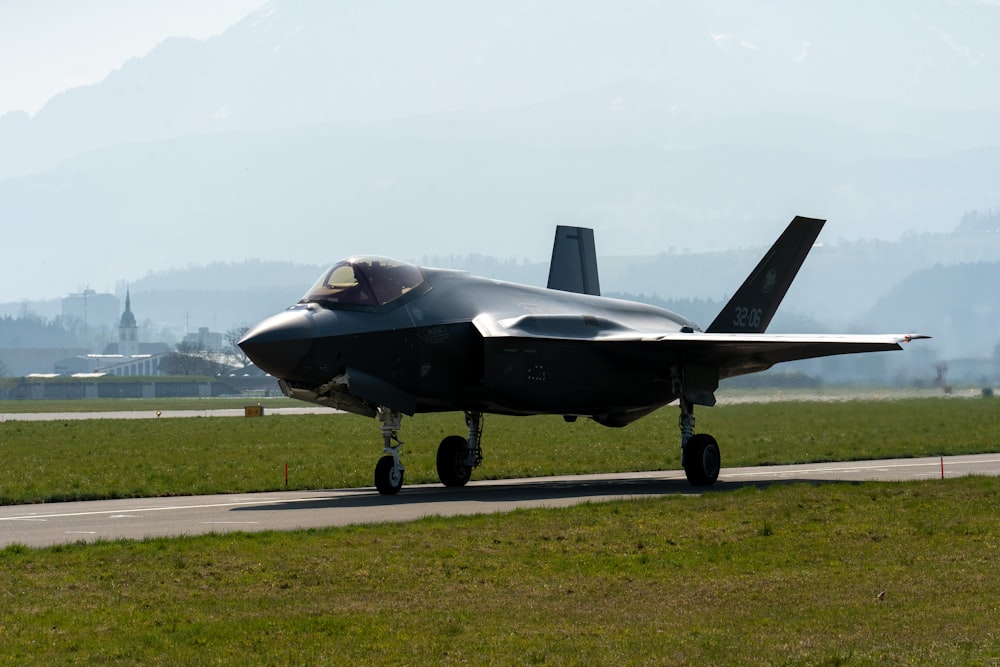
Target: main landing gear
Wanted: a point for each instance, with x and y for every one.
(456, 456)
(700, 453)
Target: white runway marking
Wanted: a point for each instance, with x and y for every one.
(231, 523)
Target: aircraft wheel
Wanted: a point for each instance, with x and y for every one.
(388, 479)
(702, 460)
(451, 461)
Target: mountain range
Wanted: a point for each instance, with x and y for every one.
(687, 133)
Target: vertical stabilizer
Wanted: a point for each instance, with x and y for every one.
(574, 261)
(754, 304)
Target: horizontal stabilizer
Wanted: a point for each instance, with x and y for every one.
(574, 261)
(754, 304)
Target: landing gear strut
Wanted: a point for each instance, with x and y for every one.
(700, 455)
(389, 471)
(457, 456)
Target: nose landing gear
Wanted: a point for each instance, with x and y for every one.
(389, 471)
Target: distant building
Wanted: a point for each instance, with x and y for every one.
(209, 341)
(91, 308)
(127, 357)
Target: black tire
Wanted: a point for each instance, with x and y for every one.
(702, 460)
(387, 481)
(451, 456)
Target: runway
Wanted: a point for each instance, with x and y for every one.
(60, 523)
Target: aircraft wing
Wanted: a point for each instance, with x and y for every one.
(737, 354)
(733, 354)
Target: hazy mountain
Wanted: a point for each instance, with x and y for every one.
(902, 66)
(839, 282)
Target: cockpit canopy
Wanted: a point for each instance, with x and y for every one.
(366, 282)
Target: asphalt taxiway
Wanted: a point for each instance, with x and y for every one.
(60, 523)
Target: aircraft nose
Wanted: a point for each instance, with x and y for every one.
(278, 344)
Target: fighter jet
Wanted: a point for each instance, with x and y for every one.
(385, 338)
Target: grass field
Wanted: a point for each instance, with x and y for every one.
(91, 459)
(832, 574)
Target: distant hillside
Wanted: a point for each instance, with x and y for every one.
(220, 296)
(839, 283)
(958, 305)
(236, 276)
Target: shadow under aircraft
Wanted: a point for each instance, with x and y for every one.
(383, 338)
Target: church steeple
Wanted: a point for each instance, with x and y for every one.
(128, 330)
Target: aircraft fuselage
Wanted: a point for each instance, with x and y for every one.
(426, 352)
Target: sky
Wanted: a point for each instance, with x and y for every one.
(47, 46)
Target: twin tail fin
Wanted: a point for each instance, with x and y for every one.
(754, 304)
(574, 269)
(574, 261)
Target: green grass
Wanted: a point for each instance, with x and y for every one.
(91, 459)
(782, 575)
